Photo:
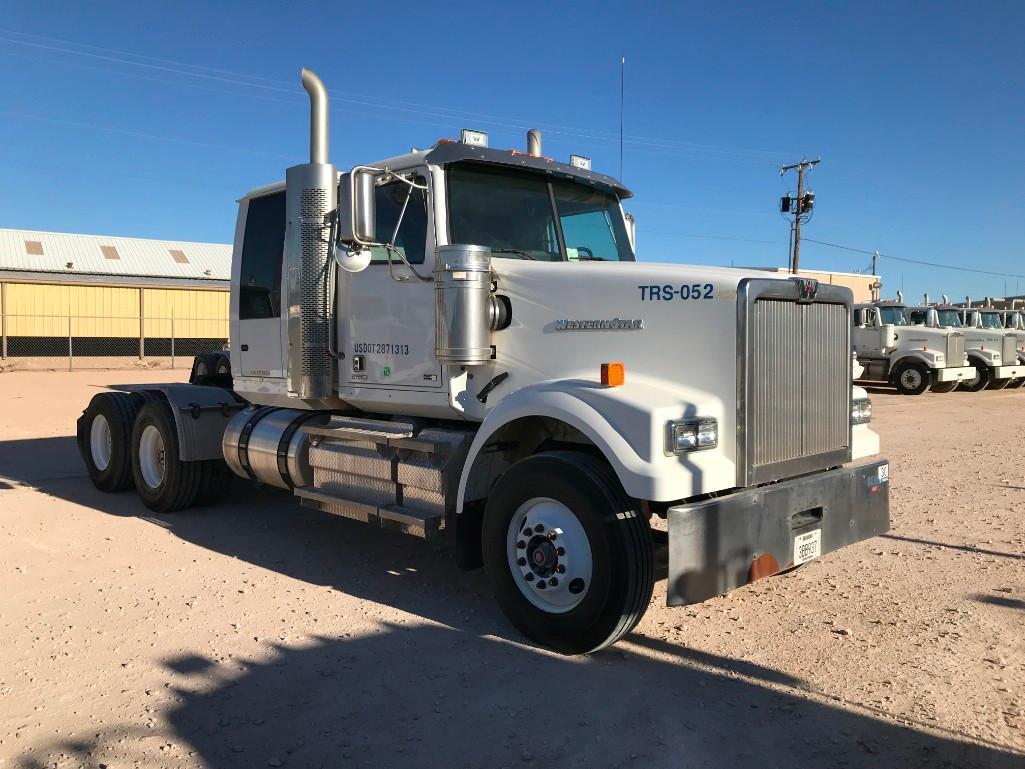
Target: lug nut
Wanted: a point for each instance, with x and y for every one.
(529, 576)
(540, 584)
(527, 532)
(561, 551)
(539, 528)
(561, 569)
(553, 581)
(553, 534)
(520, 544)
(521, 561)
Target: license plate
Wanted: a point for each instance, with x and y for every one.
(807, 546)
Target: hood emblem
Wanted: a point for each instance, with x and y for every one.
(807, 288)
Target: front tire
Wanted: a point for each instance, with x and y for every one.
(569, 557)
(164, 482)
(981, 379)
(912, 379)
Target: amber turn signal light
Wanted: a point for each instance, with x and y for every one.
(613, 374)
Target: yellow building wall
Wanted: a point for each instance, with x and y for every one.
(196, 314)
(42, 309)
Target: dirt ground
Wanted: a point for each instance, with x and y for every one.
(259, 633)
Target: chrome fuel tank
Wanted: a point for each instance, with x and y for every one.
(265, 444)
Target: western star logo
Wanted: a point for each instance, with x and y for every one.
(612, 324)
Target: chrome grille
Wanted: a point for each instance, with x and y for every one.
(955, 350)
(1009, 355)
(799, 387)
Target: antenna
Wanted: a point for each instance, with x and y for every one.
(622, 99)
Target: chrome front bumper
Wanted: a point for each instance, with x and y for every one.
(954, 373)
(1009, 372)
(720, 544)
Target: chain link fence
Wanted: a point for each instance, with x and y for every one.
(90, 341)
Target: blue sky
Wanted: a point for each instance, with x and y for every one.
(127, 119)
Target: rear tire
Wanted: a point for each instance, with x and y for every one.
(105, 439)
(164, 482)
(1014, 384)
(944, 387)
(588, 545)
(998, 384)
(912, 378)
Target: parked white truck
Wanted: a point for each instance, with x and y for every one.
(459, 341)
(991, 350)
(912, 358)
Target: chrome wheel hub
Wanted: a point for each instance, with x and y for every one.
(549, 555)
(152, 460)
(100, 442)
(911, 379)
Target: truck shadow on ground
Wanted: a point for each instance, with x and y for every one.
(459, 689)
(429, 696)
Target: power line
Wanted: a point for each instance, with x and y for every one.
(915, 261)
(283, 87)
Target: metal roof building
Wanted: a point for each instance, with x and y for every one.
(75, 256)
(98, 296)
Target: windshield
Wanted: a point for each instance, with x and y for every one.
(991, 320)
(893, 316)
(531, 216)
(949, 318)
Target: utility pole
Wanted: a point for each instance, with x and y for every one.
(799, 206)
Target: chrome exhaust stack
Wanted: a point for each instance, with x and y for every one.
(311, 204)
(534, 142)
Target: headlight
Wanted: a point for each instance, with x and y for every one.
(692, 435)
(861, 411)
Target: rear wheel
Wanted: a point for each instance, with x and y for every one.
(569, 558)
(998, 384)
(944, 387)
(912, 378)
(163, 481)
(978, 382)
(105, 439)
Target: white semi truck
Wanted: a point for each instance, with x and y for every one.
(991, 350)
(913, 358)
(458, 341)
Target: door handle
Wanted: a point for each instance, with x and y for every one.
(245, 348)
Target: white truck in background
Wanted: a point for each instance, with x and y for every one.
(991, 351)
(912, 358)
(459, 342)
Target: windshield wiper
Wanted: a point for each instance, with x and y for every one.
(516, 251)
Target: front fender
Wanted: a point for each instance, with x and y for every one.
(627, 424)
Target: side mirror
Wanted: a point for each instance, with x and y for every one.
(357, 211)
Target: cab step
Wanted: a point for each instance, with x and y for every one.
(392, 474)
(396, 517)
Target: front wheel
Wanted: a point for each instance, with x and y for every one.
(912, 379)
(978, 382)
(569, 557)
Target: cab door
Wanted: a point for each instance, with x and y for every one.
(258, 349)
(389, 330)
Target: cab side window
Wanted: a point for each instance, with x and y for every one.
(411, 238)
(263, 247)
